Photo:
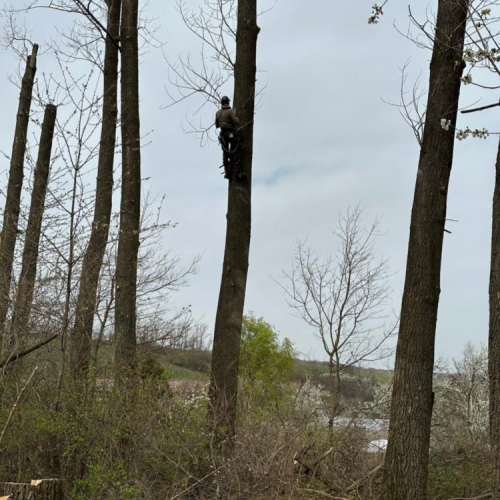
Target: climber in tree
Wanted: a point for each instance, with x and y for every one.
(228, 122)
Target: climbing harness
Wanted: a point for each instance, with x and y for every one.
(229, 141)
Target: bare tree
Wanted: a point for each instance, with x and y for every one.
(128, 246)
(407, 456)
(26, 285)
(16, 174)
(342, 298)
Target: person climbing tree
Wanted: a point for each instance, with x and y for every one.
(227, 121)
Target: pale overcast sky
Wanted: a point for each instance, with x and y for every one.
(324, 141)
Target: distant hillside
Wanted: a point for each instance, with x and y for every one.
(312, 367)
(190, 364)
(184, 364)
(357, 383)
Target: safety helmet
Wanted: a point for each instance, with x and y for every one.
(225, 100)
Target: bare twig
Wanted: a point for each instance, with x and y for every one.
(215, 471)
(322, 494)
(480, 497)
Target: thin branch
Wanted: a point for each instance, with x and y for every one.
(16, 405)
(482, 108)
(21, 354)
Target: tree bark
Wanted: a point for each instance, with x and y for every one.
(229, 318)
(14, 188)
(128, 245)
(494, 334)
(407, 456)
(334, 374)
(92, 262)
(26, 285)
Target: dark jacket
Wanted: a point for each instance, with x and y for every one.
(226, 118)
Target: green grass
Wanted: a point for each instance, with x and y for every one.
(180, 373)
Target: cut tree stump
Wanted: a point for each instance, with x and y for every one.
(42, 489)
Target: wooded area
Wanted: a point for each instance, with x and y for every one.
(109, 391)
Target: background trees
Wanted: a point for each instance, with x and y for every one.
(265, 361)
(459, 440)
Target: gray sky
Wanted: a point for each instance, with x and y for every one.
(324, 141)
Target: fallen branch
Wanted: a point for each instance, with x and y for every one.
(317, 473)
(215, 471)
(325, 455)
(359, 482)
(322, 493)
(488, 494)
(18, 355)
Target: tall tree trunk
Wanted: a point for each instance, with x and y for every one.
(229, 318)
(128, 245)
(14, 188)
(494, 334)
(92, 263)
(407, 456)
(26, 286)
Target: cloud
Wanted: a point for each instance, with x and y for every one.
(324, 141)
